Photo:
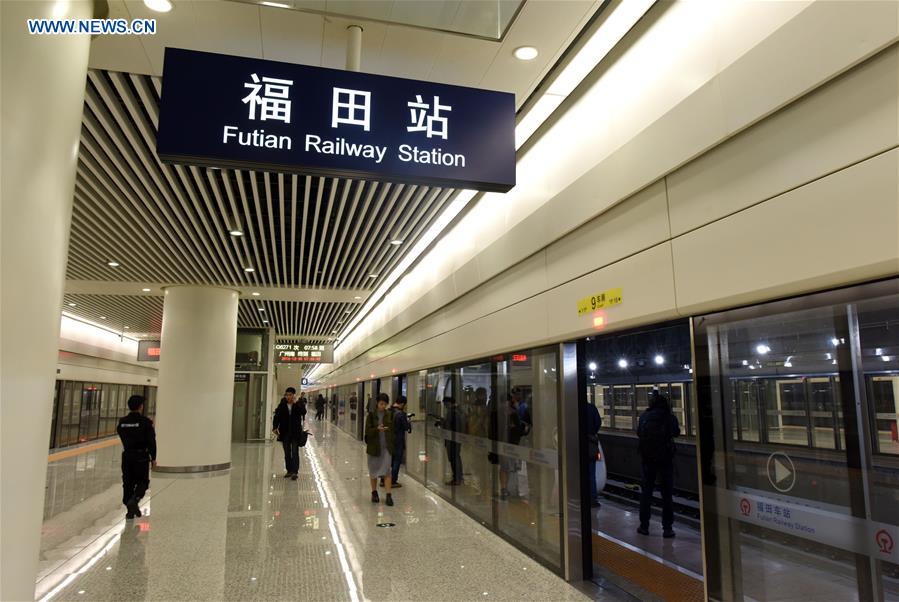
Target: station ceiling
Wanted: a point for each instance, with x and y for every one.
(317, 246)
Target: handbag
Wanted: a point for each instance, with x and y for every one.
(304, 436)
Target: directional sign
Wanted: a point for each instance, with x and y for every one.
(229, 111)
(781, 472)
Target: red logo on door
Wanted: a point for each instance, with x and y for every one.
(745, 507)
(884, 541)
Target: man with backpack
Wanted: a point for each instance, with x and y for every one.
(657, 429)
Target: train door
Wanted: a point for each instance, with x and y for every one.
(801, 505)
(90, 412)
(239, 406)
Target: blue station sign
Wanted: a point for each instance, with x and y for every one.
(227, 111)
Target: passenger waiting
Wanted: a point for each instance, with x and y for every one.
(515, 429)
(402, 426)
(594, 423)
(380, 439)
(657, 429)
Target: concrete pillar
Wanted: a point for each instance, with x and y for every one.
(42, 80)
(196, 379)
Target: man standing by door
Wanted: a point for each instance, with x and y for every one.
(139, 440)
(657, 429)
(287, 424)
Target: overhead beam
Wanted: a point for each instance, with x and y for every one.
(268, 293)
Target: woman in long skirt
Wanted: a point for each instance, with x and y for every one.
(379, 440)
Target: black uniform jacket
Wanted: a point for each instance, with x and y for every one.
(289, 420)
(137, 434)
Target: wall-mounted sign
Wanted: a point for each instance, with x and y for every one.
(148, 351)
(607, 298)
(228, 111)
(304, 353)
(304, 382)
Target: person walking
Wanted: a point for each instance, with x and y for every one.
(452, 421)
(401, 427)
(656, 430)
(319, 407)
(287, 424)
(139, 440)
(380, 438)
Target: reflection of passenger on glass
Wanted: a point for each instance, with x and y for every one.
(452, 422)
(514, 430)
(657, 429)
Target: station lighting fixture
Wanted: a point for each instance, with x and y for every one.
(127, 328)
(622, 363)
(835, 342)
(878, 351)
(659, 360)
(265, 321)
(592, 366)
(261, 309)
(72, 304)
(762, 349)
(275, 4)
(102, 317)
(357, 297)
(113, 264)
(372, 275)
(885, 358)
(255, 294)
(788, 363)
(745, 362)
(160, 6)
(396, 242)
(526, 53)
(249, 270)
(235, 232)
(146, 290)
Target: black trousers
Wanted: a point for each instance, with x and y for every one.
(291, 456)
(454, 453)
(651, 470)
(135, 475)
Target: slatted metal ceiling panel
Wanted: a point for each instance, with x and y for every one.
(165, 223)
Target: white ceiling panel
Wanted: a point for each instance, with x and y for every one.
(547, 26)
(463, 61)
(291, 36)
(335, 42)
(119, 53)
(409, 52)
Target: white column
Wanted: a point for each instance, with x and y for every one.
(196, 379)
(42, 80)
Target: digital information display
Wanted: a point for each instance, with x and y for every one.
(304, 353)
(228, 111)
(148, 351)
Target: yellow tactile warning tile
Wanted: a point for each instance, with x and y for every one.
(663, 581)
(81, 450)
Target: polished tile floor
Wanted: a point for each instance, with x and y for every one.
(248, 534)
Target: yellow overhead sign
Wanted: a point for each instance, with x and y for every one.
(607, 298)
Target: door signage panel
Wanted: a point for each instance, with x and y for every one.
(228, 111)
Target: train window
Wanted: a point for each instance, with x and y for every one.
(622, 369)
(878, 323)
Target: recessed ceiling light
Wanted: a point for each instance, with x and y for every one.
(349, 311)
(248, 270)
(160, 6)
(102, 317)
(255, 294)
(112, 264)
(275, 4)
(261, 309)
(265, 321)
(592, 366)
(72, 304)
(622, 363)
(396, 242)
(146, 290)
(372, 275)
(357, 297)
(526, 53)
(235, 232)
(127, 327)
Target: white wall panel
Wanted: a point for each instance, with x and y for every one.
(73, 366)
(647, 285)
(849, 119)
(837, 230)
(638, 223)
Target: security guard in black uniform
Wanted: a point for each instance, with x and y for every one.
(139, 439)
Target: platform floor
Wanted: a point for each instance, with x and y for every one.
(249, 534)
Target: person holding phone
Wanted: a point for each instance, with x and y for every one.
(380, 439)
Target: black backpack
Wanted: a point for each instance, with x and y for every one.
(656, 440)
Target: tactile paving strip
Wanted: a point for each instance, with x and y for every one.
(663, 581)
